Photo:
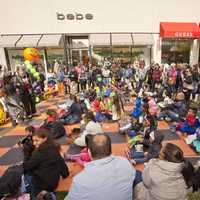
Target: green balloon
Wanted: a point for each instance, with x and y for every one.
(38, 78)
(32, 70)
(112, 94)
(37, 99)
(36, 74)
(27, 62)
(29, 67)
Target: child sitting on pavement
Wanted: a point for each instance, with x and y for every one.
(83, 157)
(53, 124)
(146, 150)
(189, 126)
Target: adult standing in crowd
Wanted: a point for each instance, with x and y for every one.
(73, 76)
(25, 91)
(114, 175)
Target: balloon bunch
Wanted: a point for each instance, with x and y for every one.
(32, 70)
(31, 55)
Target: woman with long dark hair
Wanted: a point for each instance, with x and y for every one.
(167, 178)
(116, 108)
(45, 165)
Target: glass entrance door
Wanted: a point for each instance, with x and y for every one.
(80, 56)
(78, 50)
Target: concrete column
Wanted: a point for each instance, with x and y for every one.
(147, 55)
(194, 52)
(80, 57)
(3, 57)
(157, 48)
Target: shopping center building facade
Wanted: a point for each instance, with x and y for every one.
(83, 31)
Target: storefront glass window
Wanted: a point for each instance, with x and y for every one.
(176, 50)
(121, 54)
(80, 43)
(99, 54)
(54, 54)
(16, 58)
(138, 53)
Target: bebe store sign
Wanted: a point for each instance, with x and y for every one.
(74, 16)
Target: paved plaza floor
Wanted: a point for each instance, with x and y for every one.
(11, 153)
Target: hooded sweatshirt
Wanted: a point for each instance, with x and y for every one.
(162, 180)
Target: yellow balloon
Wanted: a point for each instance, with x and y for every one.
(31, 54)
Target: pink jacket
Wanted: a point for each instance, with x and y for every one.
(84, 155)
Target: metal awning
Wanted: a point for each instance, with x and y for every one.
(49, 40)
(28, 41)
(104, 39)
(9, 40)
(122, 39)
(35, 40)
(142, 39)
(99, 39)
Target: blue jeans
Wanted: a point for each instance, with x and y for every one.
(138, 157)
(27, 184)
(28, 187)
(168, 113)
(138, 178)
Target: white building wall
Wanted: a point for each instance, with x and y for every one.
(36, 16)
(157, 48)
(2, 57)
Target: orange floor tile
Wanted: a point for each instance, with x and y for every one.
(3, 169)
(119, 149)
(64, 184)
(69, 128)
(139, 167)
(185, 148)
(110, 127)
(3, 151)
(16, 132)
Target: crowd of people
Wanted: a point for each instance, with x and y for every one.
(96, 94)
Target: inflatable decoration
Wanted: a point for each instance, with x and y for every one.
(31, 55)
(32, 70)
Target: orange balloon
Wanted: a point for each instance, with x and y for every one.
(31, 54)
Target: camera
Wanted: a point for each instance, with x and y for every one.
(27, 145)
(26, 140)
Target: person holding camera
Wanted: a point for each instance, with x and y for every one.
(43, 167)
